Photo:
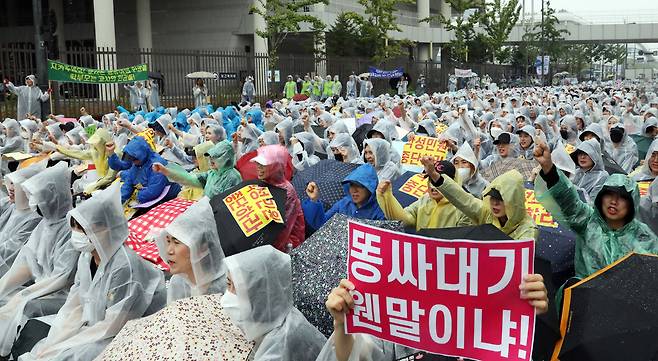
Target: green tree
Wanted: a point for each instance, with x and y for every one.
(344, 37)
(374, 27)
(498, 21)
(463, 26)
(285, 17)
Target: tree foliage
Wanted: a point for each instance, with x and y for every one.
(344, 37)
(463, 26)
(379, 20)
(498, 20)
(284, 17)
(549, 35)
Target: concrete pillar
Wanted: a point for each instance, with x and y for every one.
(446, 10)
(261, 63)
(423, 52)
(144, 33)
(57, 6)
(105, 38)
(423, 12)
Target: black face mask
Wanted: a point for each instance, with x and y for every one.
(338, 157)
(616, 135)
(564, 134)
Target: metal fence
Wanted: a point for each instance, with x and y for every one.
(171, 66)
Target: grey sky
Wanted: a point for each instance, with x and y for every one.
(605, 10)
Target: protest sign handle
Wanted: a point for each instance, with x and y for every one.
(50, 97)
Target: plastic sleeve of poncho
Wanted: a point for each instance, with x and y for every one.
(468, 204)
(11, 245)
(12, 144)
(74, 153)
(181, 155)
(179, 175)
(394, 211)
(69, 332)
(389, 171)
(295, 340)
(562, 201)
(365, 348)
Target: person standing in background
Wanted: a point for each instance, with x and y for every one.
(200, 92)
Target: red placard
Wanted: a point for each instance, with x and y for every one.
(455, 298)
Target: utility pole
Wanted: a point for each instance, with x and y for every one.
(542, 42)
(39, 45)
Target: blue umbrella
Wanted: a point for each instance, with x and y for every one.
(328, 175)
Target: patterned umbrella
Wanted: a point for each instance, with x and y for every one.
(189, 329)
(327, 174)
(320, 263)
(524, 166)
(142, 229)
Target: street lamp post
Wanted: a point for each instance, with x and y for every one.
(542, 43)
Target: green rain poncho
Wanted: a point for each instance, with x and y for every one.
(214, 181)
(597, 245)
(519, 224)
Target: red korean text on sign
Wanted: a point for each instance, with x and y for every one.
(456, 298)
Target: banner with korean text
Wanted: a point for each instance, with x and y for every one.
(422, 146)
(455, 298)
(75, 74)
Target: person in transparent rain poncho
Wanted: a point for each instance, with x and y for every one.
(112, 284)
(30, 97)
(467, 169)
(377, 152)
(648, 170)
(590, 173)
(190, 246)
(303, 151)
(12, 142)
(344, 149)
(259, 301)
(47, 258)
(18, 221)
(622, 148)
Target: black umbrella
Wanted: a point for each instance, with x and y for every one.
(328, 175)
(361, 134)
(546, 328)
(611, 165)
(155, 75)
(612, 314)
(233, 237)
(320, 263)
(409, 193)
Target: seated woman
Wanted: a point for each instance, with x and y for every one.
(648, 170)
(622, 148)
(271, 161)
(503, 204)
(190, 246)
(344, 149)
(359, 347)
(432, 210)
(47, 258)
(140, 177)
(11, 142)
(97, 154)
(467, 170)
(590, 172)
(221, 176)
(606, 230)
(360, 199)
(506, 147)
(259, 301)
(17, 221)
(377, 152)
(112, 284)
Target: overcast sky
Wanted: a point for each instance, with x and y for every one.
(605, 10)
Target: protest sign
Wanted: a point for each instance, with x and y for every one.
(74, 74)
(644, 187)
(422, 146)
(415, 186)
(456, 298)
(253, 208)
(538, 213)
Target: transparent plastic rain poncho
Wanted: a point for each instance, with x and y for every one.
(262, 279)
(18, 221)
(124, 287)
(562, 160)
(624, 152)
(213, 181)
(345, 141)
(29, 98)
(475, 183)
(644, 172)
(569, 122)
(269, 138)
(284, 129)
(304, 152)
(13, 142)
(47, 258)
(513, 152)
(386, 170)
(592, 180)
(250, 134)
(196, 229)
(367, 348)
(58, 134)
(649, 207)
(528, 152)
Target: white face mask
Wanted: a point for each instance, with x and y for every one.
(495, 132)
(231, 306)
(463, 173)
(81, 242)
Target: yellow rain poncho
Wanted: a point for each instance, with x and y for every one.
(519, 225)
(423, 213)
(97, 155)
(195, 193)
